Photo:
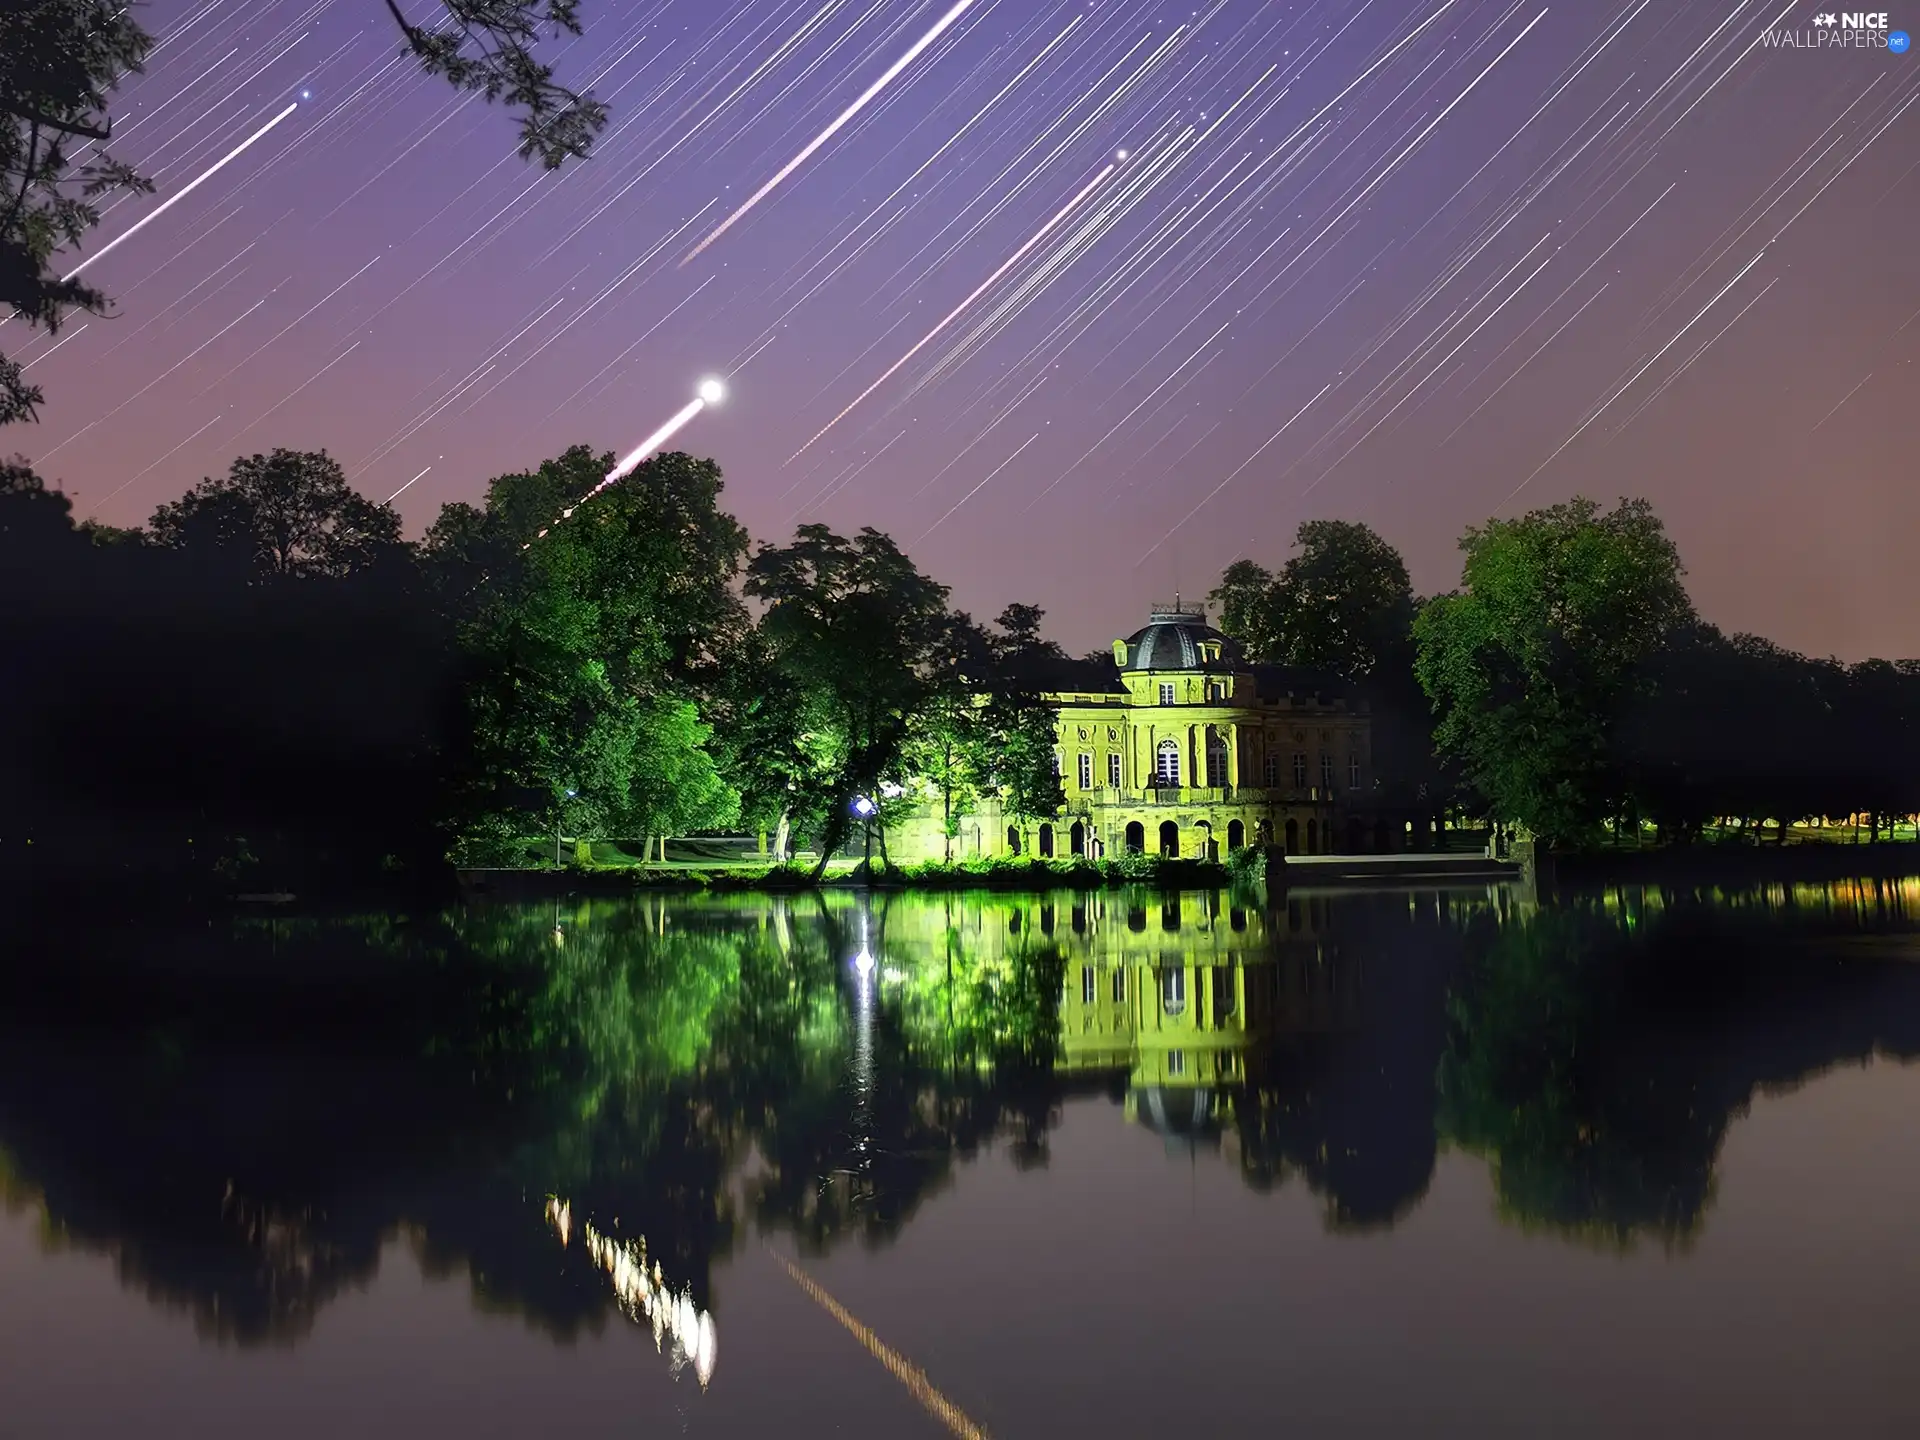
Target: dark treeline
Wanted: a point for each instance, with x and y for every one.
(1568, 688)
(268, 682)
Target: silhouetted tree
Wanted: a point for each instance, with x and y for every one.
(862, 629)
(61, 61)
(290, 514)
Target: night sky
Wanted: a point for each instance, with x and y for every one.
(1412, 264)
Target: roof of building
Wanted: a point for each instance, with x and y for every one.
(1173, 639)
(1095, 675)
(1293, 682)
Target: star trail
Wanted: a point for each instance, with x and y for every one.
(1081, 299)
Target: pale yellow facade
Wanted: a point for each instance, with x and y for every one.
(1184, 750)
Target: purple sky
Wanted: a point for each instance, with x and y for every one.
(1524, 220)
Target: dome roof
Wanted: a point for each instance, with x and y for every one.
(1177, 637)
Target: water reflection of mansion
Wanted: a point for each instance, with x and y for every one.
(1178, 996)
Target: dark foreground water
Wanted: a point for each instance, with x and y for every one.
(1632, 1163)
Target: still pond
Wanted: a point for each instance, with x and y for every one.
(1435, 1162)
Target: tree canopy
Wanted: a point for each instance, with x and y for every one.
(589, 648)
(290, 514)
(1341, 605)
(1529, 664)
(854, 626)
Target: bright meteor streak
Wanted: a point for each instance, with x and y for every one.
(712, 392)
(840, 123)
(184, 191)
(954, 314)
(403, 489)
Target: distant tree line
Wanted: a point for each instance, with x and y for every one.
(1568, 688)
(269, 679)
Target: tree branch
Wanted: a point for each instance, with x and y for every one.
(66, 127)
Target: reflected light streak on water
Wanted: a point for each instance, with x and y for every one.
(863, 967)
(645, 1295)
(901, 1368)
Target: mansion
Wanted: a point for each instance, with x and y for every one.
(1180, 747)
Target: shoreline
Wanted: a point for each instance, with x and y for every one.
(109, 895)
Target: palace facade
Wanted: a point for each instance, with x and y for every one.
(1180, 747)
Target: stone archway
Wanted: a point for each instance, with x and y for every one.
(1313, 837)
(1013, 839)
(1169, 839)
(1136, 837)
(1293, 837)
(1077, 838)
(1046, 842)
(1236, 835)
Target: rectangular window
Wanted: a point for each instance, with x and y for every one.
(1353, 772)
(1299, 770)
(1166, 692)
(1113, 768)
(1086, 771)
(1086, 985)
(1273, 772)
(1119, 985)
(1326, 772)
(1176, 1062)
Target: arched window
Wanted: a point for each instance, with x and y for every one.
(1166, 763)
(1077, 838)
(1169, 838)
(1013, 840)
(1136, 837)
(1236, 834)
(1216, 758)
(1046, 841)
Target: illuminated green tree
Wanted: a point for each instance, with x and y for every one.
(1532, 661)
(589, 647)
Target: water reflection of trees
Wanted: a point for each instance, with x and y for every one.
(682, 1068)
(683, 1072)
(1601, 1048)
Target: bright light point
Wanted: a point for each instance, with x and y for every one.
(712, 391)
(862, 806)
(1119, 154)
(306, 94)
(863, 962)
